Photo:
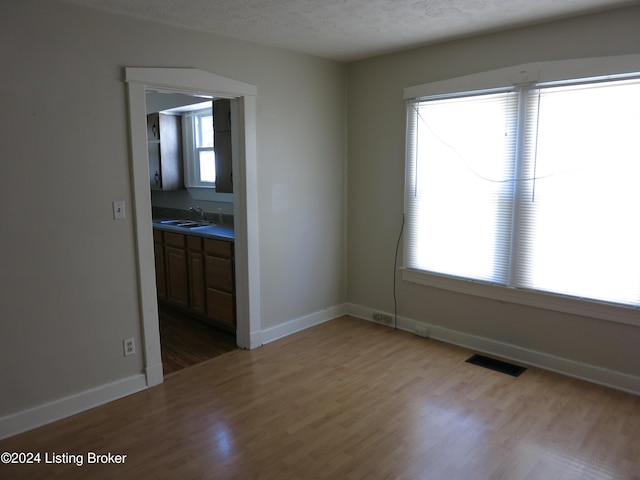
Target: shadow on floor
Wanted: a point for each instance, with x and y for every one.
(186, 341)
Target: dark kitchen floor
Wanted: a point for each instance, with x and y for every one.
(186, 341)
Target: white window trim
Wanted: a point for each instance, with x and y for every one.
(548, 301)
(189, 152)
(527, 73)
(521, 74)
(198, 190)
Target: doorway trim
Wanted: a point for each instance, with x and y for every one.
(245, 196)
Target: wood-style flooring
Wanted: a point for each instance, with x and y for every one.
(185, 341)
(349, 399)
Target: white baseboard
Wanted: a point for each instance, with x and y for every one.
(155, 375)
(591, 373)
(50, 412)
(302, 323)
(22, 421)
(34, 417)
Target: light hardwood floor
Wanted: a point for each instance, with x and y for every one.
(350, 400)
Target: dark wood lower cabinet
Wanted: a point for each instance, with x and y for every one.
(158, 252)
(195, 269)
(176, 276)
(196, 274)
(219, 273)
(221, 307)
(220, 282)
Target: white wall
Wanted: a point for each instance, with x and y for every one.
(69, 294)
(376, 129)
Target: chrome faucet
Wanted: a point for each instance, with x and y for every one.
(197, 210)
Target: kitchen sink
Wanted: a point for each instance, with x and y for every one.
(187, 223)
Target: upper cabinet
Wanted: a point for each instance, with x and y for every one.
(222, 145)
(164, 140)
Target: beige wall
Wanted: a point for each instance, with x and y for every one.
(69, 294)
(376, 129)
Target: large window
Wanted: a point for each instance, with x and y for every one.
(535, 187)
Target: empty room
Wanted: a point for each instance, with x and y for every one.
(271, 239)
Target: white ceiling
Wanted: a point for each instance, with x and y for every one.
(350, 29)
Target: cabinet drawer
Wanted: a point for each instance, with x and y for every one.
(221, 307)
(157, 236)
(218, 248)
(194, 243)
(218, 273)
(174, 239)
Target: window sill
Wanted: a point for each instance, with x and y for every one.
(548, 301)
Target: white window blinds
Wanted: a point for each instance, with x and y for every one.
(580, 224)
(460, 193)
(534, 188)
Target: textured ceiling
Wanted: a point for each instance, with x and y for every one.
(349, 29)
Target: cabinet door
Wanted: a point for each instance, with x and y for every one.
(222, 145)
(177, 280)
(196, 282)
(155, 172)
(164, 144)
(158, 251)
(219, 273)
(221, 307)
(224, 171)
(153, 126)
(195, 267)
(222, 115)
(171, 152)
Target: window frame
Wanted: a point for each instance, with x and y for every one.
(541, 73)
(191, 150)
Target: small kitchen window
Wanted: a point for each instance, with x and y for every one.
(208, 152)
(199, 152)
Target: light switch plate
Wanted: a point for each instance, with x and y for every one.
(118, 210)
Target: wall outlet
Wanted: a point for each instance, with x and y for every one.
(421, 331)
(382, 318)
(129, 347)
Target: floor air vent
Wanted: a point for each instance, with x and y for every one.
(497, 365)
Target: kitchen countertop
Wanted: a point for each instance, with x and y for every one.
(220, 232)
